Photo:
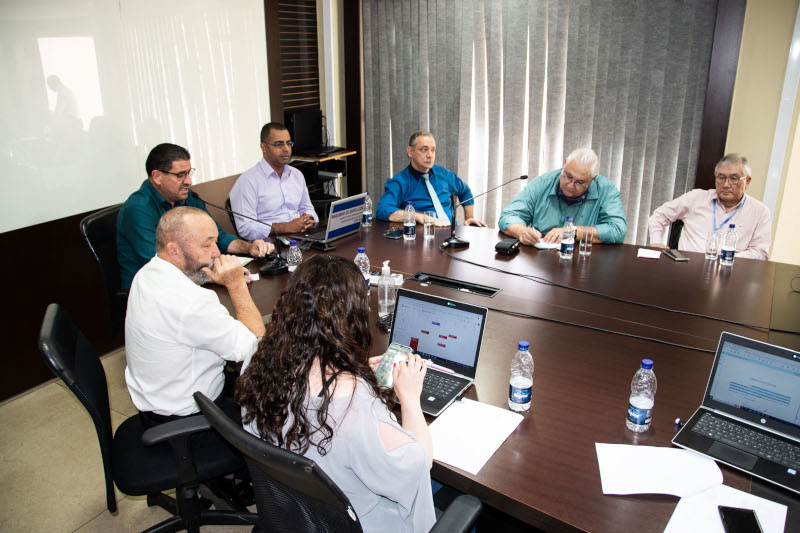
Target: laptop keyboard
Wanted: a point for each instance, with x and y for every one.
(744, 438)
(438, 384)
(317, 235)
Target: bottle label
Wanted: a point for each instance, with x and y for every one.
(518, 395)
(410, 229)
(366, 218)
(567, 247)
(727, 255)
(640, 417)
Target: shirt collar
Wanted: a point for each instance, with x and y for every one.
(160, 200)
(268, 171)
(715, 197)
(417, 174)
(593, 193)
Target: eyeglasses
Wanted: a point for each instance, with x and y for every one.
(734, 180)
(180, 175)
(281, 144)
(577, 184)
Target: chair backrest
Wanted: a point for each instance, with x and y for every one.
(292, 492)
(230, 215)
(69, 355)
(675, 230)
(100, 231)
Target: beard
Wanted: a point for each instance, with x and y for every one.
(193, 269)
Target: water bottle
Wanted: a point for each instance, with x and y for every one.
(520, 386)
(386, 291)
(366, 214)
(362, 262)
(728, 246)
(410, 223)
(567, 240)
(643, 393)
(295, 256)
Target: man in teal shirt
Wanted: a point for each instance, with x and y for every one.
(540, 210)
(169, 172)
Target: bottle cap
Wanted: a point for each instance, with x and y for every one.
(732, 226)
(361, 249)
(523, 345)
(647, 364)
(293, 243)
(409, 202)
(569, 218)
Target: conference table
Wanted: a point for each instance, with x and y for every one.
(586, 348)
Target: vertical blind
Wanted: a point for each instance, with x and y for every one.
(297, 28)
(510, 88)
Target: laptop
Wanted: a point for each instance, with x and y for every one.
(750, 415)
(447, 332)
(344, 218)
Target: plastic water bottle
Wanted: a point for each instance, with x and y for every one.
(366, 215)
(567, 240)
(643, 394)
(728, 246)
(295, 256)
(520, 386)
(386, 291)
(362, 262)
(410, 223)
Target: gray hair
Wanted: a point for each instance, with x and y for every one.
(417, 134)
(172, 226)
(587, 158)
(734, 159)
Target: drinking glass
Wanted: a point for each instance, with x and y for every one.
(428, 224)
(585, 245)
(712, 246)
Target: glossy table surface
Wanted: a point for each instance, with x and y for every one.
(586, 348)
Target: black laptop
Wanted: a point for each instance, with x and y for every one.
(449, 334)
(750, 416)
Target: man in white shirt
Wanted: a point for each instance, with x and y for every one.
(177, 333)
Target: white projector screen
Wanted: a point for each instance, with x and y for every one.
(89, 87)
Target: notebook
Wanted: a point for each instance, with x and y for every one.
(750, 415)
(344, 218)
(449, 334)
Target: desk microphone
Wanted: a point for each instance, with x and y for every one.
(272, 267)
(455, 242)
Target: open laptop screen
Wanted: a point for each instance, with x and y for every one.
(446, 331)
(757, 381)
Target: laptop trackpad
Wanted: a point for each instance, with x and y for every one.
(733, 456)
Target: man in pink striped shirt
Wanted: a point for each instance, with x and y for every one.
(705, 212)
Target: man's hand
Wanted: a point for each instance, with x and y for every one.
(260, 248)
(661, 246)
(475, 222)
(438, 222)
(530, 236)
(554, 235)
(227, 271)
(298, 225)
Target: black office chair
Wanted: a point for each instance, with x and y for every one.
(675, 230)
(140, 461)
(230, 215)
(294, 494)
(100, 231)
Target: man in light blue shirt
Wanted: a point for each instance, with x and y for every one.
(541, 208)
(272, 191)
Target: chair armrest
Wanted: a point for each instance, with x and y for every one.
(459, 515)
(176, 428)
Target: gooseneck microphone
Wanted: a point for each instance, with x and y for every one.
(454, 242)
(273, 263)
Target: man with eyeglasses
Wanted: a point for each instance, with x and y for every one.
(169, 176)
(539, 211)
(273, 191)
(711, 211)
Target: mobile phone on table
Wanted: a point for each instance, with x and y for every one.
(736, 520)
(675, 255)
(393, 354)
(395, 233)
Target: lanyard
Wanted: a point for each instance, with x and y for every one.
(727, 219)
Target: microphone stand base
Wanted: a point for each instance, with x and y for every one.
(455, 242)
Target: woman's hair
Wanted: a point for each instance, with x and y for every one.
(322, 313)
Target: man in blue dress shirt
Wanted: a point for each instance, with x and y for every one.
(418, 181)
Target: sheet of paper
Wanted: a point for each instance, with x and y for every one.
(468, 433)
(647, 253)
(627, 469)
(547, 245)
(254, 277)
(699, 513)
(244, 260)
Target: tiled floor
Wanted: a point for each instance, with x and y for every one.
(51, 474)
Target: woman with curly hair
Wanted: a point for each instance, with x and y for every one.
(310, 388)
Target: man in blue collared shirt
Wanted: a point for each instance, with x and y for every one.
(540, 209)
(409, 185)
(169, 172)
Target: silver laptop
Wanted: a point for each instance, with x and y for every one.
(344, 218)
(447, 332)
(750, 416)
